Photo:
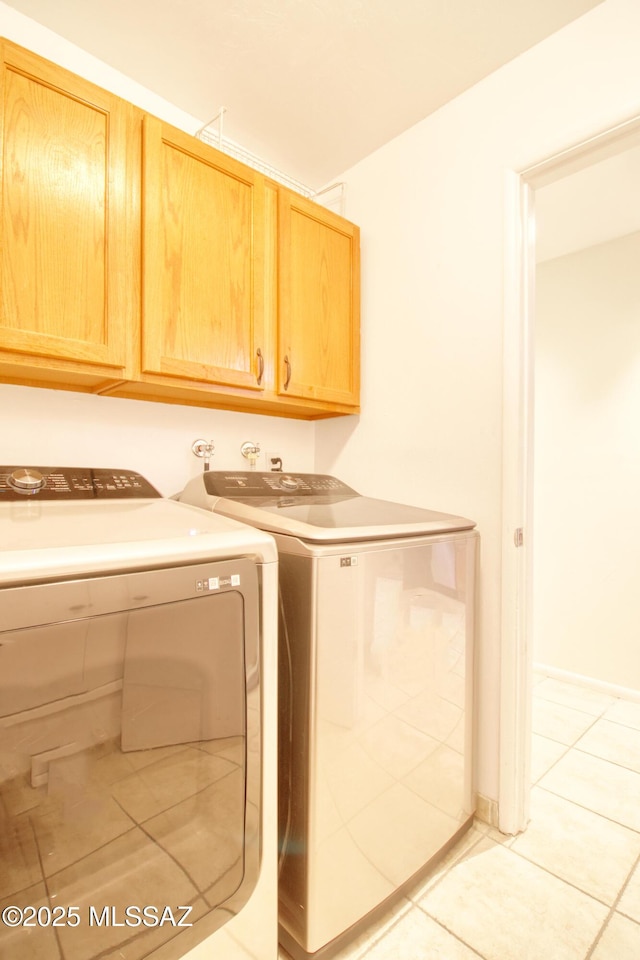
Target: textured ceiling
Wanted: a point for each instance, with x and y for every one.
(311, 86)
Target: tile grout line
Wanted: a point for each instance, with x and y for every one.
(568, 706)
(570, 747)
(601, 716)
(612, 911)
(439, 880)
(563, 743)
(451, 933)
(375, 940)
(620, 723)
(616, 823)
(556, 876)
(536, 783)
(576, 746)
(589, 694)
(581, 806)
(597, 756)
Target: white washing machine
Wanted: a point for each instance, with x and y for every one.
(375, 692)
(137, 723)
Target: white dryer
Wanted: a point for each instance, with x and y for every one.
(375, 692)
(137, 723)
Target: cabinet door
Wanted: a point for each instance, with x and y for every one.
(68, 287)
(319, 303)
(203, 261)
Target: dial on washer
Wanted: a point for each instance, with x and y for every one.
(288, 483)
(26, 480)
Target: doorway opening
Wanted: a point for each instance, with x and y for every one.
(518, 463)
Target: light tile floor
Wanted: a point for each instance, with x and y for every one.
(568, 888)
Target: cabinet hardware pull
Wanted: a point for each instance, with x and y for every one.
(288, 376)
(260, 365)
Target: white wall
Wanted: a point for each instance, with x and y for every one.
(431, 208)
(59, 428)
(52, 427)
(587, 463)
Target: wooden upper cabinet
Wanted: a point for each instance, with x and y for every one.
(319, 303)
(203, 262)
(138, 261)
(68, 183)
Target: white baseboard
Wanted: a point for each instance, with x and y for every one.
(602, 686)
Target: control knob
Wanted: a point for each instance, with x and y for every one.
(288, 483)
(26, 480)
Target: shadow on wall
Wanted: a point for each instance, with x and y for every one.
(332, 436)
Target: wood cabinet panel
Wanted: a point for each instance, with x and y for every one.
(67, 275)
(319, 318)
(203, 262)
(137, 261)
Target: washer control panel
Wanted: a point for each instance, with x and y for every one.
(249, 485)
(72, 483)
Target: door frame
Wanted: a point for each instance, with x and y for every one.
(516, 659)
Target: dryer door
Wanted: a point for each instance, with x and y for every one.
(128, 787)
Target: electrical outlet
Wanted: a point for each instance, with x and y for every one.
(273, 461)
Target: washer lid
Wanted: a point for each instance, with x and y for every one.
(314, 507)
(358, 518)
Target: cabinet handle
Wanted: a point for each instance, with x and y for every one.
(287, 379)
(260, 365)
